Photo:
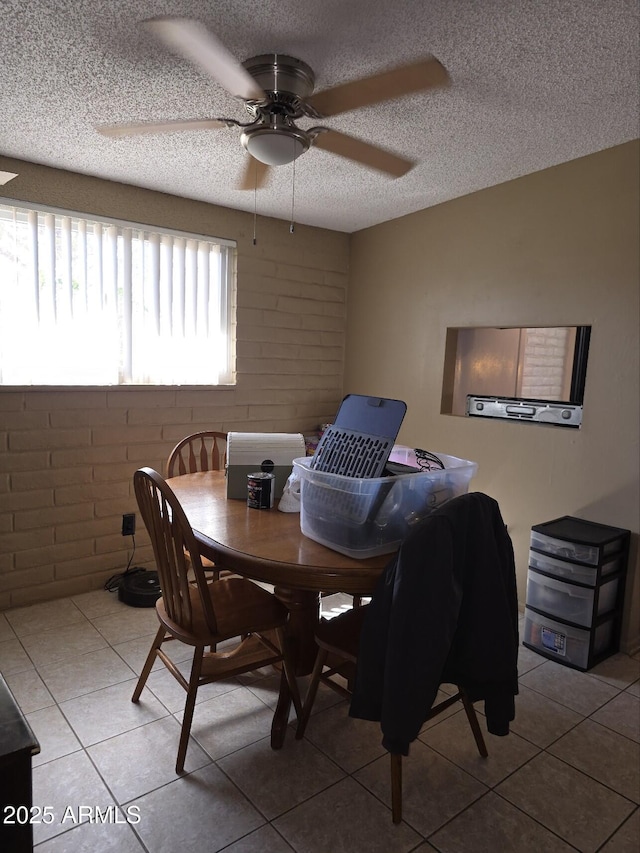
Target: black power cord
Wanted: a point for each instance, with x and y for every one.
(114, 582)
(428, 461)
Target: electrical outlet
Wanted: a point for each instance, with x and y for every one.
(129, 524)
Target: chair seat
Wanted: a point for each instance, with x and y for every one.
(341, 635)
(251, 653)
(240, 607)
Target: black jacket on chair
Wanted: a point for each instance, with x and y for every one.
(445, 610)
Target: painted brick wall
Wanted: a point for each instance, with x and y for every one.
(67, 456)
(544, 364)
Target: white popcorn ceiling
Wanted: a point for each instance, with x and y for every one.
(534, 83)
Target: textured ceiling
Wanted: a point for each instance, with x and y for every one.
(534, 83)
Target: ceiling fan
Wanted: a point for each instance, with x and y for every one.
(277, 91)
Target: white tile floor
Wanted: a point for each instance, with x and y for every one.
(566, 778)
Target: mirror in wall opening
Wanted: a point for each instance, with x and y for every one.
(522, 373)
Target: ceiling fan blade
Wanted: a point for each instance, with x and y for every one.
(194, 41)
(364, 153)
(255, 175)
(138, 128)
(426, 74)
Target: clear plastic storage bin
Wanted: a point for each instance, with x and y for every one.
(367, 517)
(568, 645)
(567, 601)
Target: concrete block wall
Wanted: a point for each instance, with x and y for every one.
(545, 364)
(67, 456)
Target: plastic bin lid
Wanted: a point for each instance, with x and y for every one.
(377, 416)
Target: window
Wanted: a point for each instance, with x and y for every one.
(88, 302)
(542, 363)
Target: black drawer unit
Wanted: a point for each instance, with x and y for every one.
(575, 590)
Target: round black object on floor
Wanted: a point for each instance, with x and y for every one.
(139, 588)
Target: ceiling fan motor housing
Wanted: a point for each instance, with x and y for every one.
(281, 75)
(274, 139)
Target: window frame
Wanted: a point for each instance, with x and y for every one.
(228, 288)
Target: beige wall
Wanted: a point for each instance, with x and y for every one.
(559, 247)
(67, 456)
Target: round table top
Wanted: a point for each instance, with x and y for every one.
(267, 545)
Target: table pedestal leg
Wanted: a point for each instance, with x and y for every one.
(304, 608)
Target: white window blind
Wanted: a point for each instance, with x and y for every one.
(84, 302)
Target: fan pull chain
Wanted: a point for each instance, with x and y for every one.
(293, 192)
(255, 202)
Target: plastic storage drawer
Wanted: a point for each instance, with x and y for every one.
(569, 602)
(567, 645)
(572, 571)
(576, 539)
(568, 550)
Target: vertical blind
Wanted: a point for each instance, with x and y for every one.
(84, 302)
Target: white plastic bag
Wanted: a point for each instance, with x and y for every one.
(290, 500)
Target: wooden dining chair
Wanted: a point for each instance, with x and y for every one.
(200, 451)
(338, 641)
(202, 614)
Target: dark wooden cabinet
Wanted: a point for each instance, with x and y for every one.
(17, 746)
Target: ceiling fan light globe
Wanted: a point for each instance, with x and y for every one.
(274, 147)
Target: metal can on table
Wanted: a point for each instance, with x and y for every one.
(260, 490)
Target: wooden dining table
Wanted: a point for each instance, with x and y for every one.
(268, 545)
